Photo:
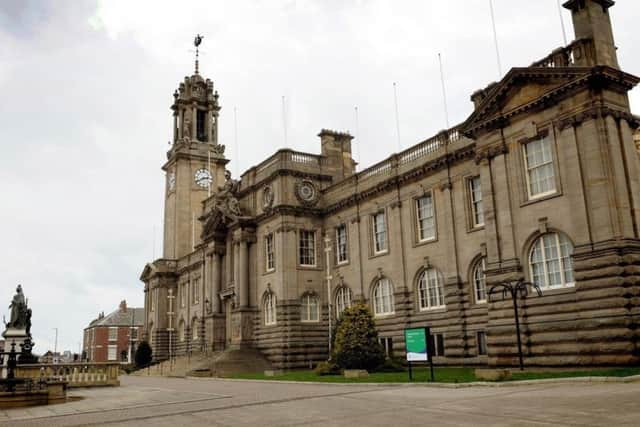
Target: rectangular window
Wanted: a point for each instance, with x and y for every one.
(538, 160)
(152, 299)
(341, 243)
(112, 352)
(183, 295)
(387, 345)
(195, 284)
(134, 334)
(475, 196)
(379, 233)
(482, 343)
(437, 344)
(113, 334)
(426, 218)
(268, 250)
(308, 248)
(200, 125)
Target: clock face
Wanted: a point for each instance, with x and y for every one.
(202, 178)
(172, 181)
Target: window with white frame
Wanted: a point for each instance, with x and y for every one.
(341, 243)
(307, 248)
(550, 261)
(479, 280)
(268, 251)
(538, 158)
(343, 300)
(437, 343)
(387, 345)
(425, 217)
(310, 309)
(269, 308)
(383, 303)
(112, 352)
(113, 334)
(379, 233)
(475, 196)
(430, 289)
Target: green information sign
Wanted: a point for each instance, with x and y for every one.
(416, 344)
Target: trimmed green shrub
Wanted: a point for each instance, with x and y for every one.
(390, 365)
(144, 354)
(356, 342)
(327, 368)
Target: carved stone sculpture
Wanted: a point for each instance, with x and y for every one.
(225, 200)
(20, 316)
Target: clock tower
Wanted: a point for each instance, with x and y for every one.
(195, 165)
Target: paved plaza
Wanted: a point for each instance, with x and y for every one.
(185, 402)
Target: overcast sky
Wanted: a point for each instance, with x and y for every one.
(86, 88)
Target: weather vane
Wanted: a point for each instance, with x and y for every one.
(197, 42)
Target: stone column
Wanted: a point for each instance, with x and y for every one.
(216, 286)
(244, 274)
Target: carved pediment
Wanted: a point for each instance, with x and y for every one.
(521, 90)
(525, 89)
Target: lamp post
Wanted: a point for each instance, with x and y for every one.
(55, 346)
(327, 251)
(170, 297)
(515, 288)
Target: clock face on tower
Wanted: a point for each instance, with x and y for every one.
(202, 178)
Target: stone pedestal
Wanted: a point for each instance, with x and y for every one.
(242, 328)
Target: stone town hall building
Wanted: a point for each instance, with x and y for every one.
(541, 183)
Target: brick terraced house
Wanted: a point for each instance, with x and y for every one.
(114, 337)
(541, 183)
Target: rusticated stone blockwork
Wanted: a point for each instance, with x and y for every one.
(541, 183)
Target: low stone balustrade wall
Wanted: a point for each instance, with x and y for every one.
(74, 374)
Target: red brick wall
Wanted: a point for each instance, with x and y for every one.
(101, 342)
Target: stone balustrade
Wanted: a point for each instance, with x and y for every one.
(75, 374)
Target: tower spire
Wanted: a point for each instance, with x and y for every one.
(196, 42)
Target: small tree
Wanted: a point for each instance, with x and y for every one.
(356, 342)
(144, 354)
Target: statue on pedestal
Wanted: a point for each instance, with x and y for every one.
(20, 314)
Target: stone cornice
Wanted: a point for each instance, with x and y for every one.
(592, 113)
(415, 174)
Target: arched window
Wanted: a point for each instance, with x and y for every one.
(269, 308)
(383, 297)
(479, 280)
(430, 289)
(550, 261)
(181, 331)
(343, 300)
(194, 329)
(310, 309)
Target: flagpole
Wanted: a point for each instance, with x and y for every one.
(235, 140)
(284, 122)
(395, 99)
(358, 138)
(444, 92)
(564, 31)
(495, 39)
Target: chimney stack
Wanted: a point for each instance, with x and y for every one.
(591, 21)
(123, 306)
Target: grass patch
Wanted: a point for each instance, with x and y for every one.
(442, 375)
